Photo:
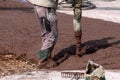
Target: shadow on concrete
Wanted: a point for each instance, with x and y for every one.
(92, 47)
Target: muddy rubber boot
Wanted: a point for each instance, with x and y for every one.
(79, 51)
(45, 60)
(46, 64)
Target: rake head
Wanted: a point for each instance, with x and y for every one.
(79, 75)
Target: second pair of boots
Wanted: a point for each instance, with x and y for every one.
(80, 50)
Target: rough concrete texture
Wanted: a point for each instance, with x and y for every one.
(20, 35)
(56, 75)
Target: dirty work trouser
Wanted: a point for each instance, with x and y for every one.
(48, 24)
(77, 6)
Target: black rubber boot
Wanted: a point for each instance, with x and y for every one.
(45, 59)
(79, 50)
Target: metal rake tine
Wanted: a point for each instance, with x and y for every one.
(72, 74)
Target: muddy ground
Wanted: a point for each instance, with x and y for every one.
(20, 36)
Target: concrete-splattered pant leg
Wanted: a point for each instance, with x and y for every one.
(48, 23)
(77, 6)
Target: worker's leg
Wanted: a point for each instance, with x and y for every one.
(48, 24)
(77, 25)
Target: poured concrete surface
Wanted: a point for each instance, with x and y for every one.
(20, 34)
(105, 10)
(56, 75)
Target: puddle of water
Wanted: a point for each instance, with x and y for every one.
(21, 0)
